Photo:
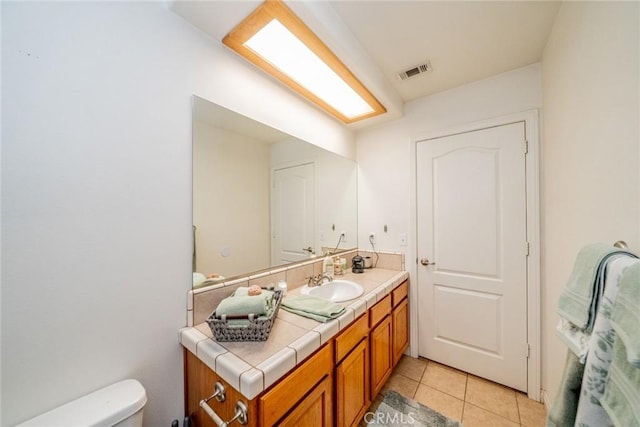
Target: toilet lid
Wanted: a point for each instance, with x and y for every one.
(102, 408)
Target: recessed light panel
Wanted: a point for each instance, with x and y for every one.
(275, 40)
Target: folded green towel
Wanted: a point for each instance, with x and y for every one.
(314, 308)
(625, 316)
(198, 279)
(621, 397)
(242, 306)
(579, 300)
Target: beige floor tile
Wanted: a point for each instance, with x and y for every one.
(474, 416)
(532, 413)
(439, 401)
(411, 367)
(493, 397)
(445, 379)
(401, 384)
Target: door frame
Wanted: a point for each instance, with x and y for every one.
(532, 172)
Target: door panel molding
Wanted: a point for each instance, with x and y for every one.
(531, 121)
(472, 201)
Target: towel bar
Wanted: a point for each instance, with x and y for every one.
(240, 415)
(220, 396)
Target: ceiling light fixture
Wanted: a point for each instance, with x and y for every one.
(278, 42)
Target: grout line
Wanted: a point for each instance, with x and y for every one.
(518, 409)
(464, 400)
(464, 406)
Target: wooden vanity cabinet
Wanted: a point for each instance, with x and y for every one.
(314, 410)
(334, 386)
(199, 384)
(352, 373)
(389, 338)
(400, 321)
(380, 341)
(381, 357)
(307, 391)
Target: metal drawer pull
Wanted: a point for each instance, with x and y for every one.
(241, 414)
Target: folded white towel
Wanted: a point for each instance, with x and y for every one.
(575, 338)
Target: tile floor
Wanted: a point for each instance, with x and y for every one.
(461, 396)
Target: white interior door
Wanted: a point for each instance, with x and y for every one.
(471, 220)
(293, 204)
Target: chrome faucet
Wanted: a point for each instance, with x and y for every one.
(318, 279)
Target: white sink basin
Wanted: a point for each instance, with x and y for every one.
(337, 290)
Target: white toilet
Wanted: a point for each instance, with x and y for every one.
(118, 405)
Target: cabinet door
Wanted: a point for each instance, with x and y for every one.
(381, 355)
(315, 410)
(352, 386)
(400, 330)
(293, 388)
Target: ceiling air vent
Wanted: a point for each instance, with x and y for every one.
(418, 69)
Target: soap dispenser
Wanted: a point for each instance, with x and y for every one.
(337, 266)
(327, 265)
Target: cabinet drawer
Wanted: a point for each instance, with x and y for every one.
(351, 336)
(379, 311)
(399, 293)
(287, 393)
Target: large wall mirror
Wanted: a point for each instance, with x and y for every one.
(262, 198)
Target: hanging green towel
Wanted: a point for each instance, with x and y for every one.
(621, 397)
(563, 411)
(314, 308)
(579, 300)
(626, 313)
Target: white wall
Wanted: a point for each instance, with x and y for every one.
(231, 201)
(591, 147)
(96, 193)
(384, 153)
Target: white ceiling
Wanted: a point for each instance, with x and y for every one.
(464, 41)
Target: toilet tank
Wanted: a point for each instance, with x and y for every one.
(118, 404)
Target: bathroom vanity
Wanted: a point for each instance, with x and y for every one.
(322, 373)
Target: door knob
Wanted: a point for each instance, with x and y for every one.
(309, 249)
(426, 262)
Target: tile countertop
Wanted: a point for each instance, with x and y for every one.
(251, 367)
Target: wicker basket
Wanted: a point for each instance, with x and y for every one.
(254, 329)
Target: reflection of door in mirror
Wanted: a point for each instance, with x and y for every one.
(234, 163)
(293, 204)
